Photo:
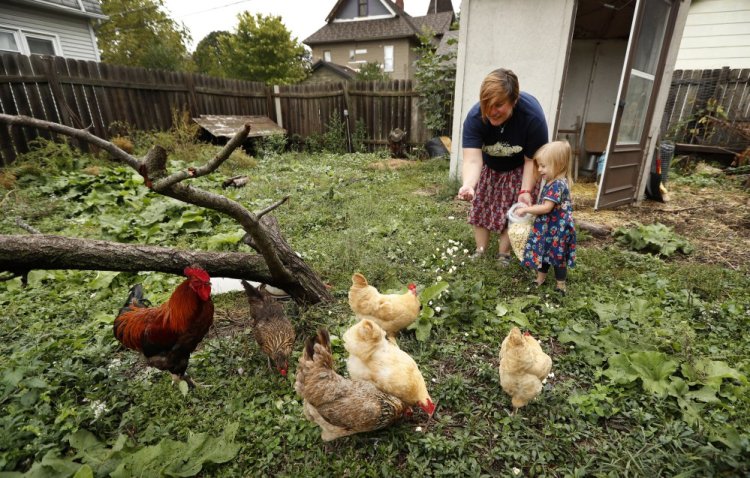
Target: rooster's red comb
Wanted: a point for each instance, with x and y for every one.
(197, 272)
(412, 287)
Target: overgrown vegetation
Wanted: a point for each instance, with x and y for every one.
(436, 76)
(650, 353)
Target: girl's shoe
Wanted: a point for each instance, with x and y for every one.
(560, 291)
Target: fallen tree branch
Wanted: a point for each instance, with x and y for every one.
(44, 251)
(284, 267)
(596, 230)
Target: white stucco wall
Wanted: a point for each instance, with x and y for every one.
(717, 34)
(529, 37)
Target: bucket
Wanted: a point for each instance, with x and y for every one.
(519, 228)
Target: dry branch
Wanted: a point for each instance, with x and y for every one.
(285, 268)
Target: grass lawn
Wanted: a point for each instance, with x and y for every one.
(650, 352)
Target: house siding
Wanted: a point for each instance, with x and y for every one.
(403, 55)
(74, 34)
(717, 34)
(350, 10)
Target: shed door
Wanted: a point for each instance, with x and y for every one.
(650, 33)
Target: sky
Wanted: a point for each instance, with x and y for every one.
(301, 17)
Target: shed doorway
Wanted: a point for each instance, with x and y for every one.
(615, 66)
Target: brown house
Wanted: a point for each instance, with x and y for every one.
(368, 31)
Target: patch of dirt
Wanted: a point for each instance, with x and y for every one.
(716, 222)
(392, 164)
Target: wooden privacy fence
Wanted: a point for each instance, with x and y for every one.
(721, 97)
(86, 94)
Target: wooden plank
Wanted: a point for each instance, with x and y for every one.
(36, 107)
(7, 135)
(226, 126)
(16, 104)
(100, 99)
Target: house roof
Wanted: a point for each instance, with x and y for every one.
(340, 70)
(84, 8)
(400, 25)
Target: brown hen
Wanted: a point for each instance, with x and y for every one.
(272, 329)
(340, 406)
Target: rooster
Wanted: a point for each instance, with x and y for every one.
(392, 312)
(273, 331)
(340, 406)
(375, 359)
(169, 333)
(523, 366)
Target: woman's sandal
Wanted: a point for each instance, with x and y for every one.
(503, 259)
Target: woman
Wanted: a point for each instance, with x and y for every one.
(500, 136)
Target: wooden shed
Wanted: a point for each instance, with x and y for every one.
(596, 66)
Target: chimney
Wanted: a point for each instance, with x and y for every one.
(400, 4)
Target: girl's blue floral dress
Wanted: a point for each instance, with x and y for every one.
(553, 236)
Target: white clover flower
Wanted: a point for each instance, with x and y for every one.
(433, 380)
(516, 471)
(438, 309)
(466, 334)
(466, 251)
(98, 407)
(451, 218)
(551, 375)
(439, 278)
(418, 429)
(240, 371)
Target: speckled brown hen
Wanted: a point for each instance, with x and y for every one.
(340, 406)
(272, 329)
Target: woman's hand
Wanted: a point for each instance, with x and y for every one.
(525, 197)
(466, 193)
(521, 211)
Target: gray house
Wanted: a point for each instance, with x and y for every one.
(50, 27)
(367, 31)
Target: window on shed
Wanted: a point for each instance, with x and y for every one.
(327, 55)
(40, 45)
(362, 8)
(8, 41)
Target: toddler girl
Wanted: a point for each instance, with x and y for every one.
(552, 241)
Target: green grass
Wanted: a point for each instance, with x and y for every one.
(650, 356)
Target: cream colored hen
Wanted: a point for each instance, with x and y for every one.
(523, 366)
(340, 406)
(377, 360)
(392, 312)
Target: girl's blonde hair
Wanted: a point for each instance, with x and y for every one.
(557, 156)
(498, 86)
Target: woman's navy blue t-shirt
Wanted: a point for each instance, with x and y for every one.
(504, 147)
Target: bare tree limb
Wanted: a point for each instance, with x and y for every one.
(272, 207)
(26, 226)
(287, 271)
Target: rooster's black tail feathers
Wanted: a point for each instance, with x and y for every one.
(135, 298)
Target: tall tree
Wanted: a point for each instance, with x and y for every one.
(262, 49)
(138, 33)
(208, 56)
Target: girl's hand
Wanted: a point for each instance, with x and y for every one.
(466, 193)
(521, 211)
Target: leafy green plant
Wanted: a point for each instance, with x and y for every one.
(655, 238)
(372, 71)
(436, 76)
